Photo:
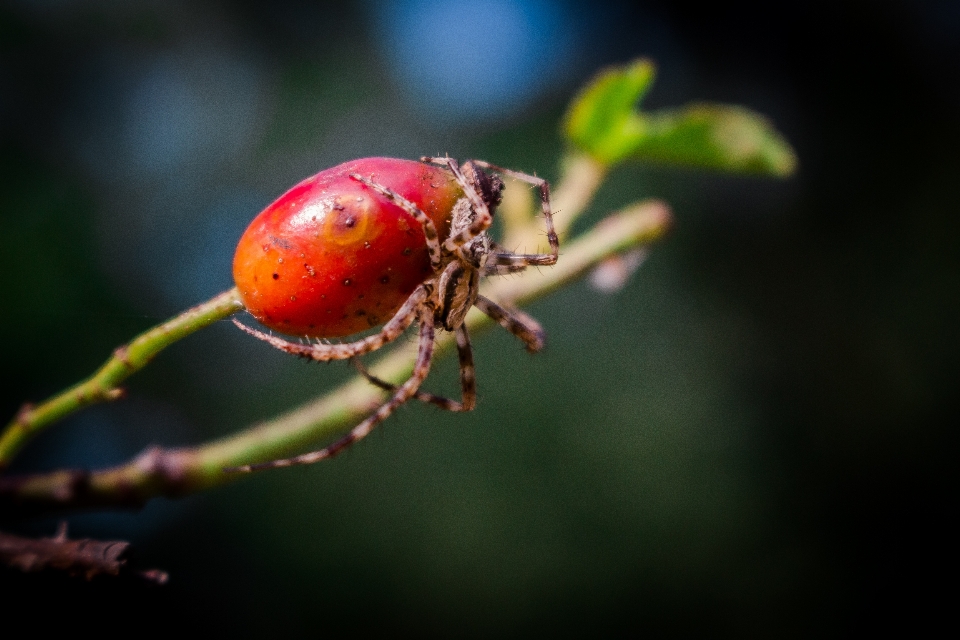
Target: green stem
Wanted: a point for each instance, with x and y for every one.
(174, 472)
(103, 385)
(580, 179)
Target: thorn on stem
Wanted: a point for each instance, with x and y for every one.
(22, 419)
(114, 394)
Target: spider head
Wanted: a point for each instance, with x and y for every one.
(488, 186)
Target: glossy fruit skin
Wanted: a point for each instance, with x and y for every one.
(331, 257)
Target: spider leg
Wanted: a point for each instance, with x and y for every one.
(484, 217)
(429, 229)
(544, 187)
(520, 261)
(468, 386)
(516, 322)
(403, 393)
(493, 269)
(468, 373)
(502, 269)
(394, 327)
(423, 396)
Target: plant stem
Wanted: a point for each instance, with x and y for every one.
(103, 385)
(580, 179)
(174, 472)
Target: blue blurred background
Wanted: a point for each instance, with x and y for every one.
(753, 437)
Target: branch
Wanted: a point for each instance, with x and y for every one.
(103, 385)
(180, 471)
(80, 557)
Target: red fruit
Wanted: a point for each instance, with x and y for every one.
(331, 257)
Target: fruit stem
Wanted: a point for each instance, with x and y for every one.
(103, 385)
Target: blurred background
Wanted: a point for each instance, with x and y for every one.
(752, 437)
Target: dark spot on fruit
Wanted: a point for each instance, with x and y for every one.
(373, 320)
(360, 297)
(310, 270)
(276, 276)
(350, 222)
(361, 312)
(407, 251)
(384, 279)
(293, 298)
(312, 326)
(347, 282)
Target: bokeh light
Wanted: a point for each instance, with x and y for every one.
(472, 63)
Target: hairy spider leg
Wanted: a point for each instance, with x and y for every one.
(493, 269)
(519, 259)
(429, 230)
(516, 322)
(468, 383)
(394, 327)
(403, 393)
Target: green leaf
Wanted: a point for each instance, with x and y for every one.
(715, 136)
(603, 121)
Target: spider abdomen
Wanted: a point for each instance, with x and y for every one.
(332, 257)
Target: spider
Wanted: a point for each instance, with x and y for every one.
(440, 301)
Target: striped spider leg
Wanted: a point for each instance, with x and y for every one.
(468, 381)
(402, 393)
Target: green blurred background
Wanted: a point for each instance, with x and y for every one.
(751, 438)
